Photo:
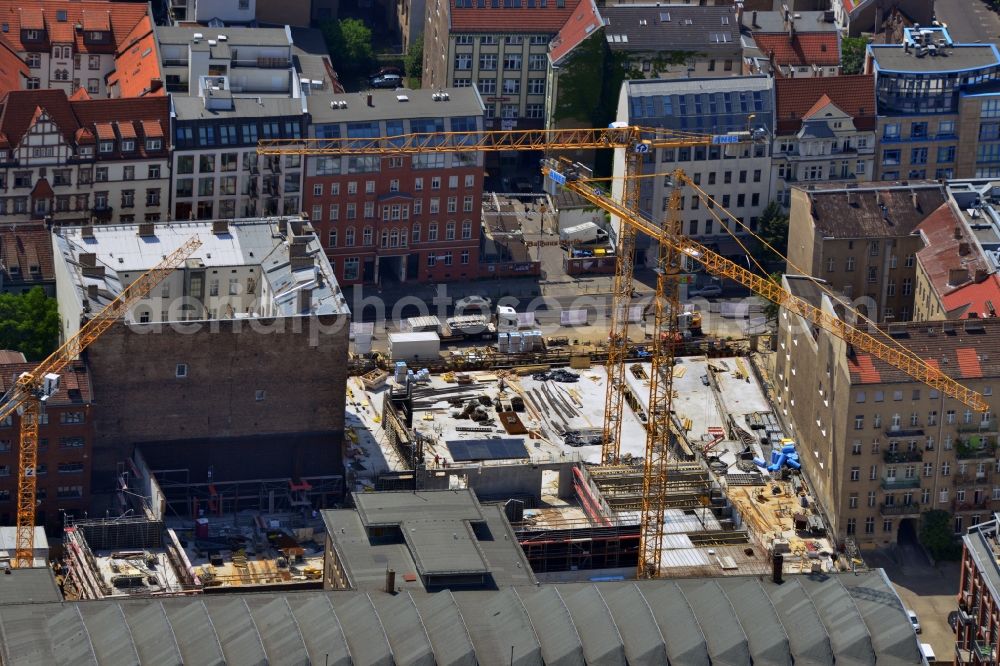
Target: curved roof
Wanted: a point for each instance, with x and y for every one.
(851, 619)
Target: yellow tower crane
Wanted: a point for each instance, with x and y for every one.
(674, 250)
(33, 388)
(635, 142)
(673, 247)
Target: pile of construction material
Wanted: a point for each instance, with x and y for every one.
(786, 456)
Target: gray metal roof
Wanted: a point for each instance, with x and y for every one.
(894, 58)
(254, 106)
(29, 585)
(235, 36)
(687, 621)
(438, 539)
(684, 28)
(387, 105)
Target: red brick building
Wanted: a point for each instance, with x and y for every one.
(65, 439)
(387, 220)
(977, 626)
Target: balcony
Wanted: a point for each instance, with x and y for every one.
(897, 483)
(987, 427)
(262, 63)
(975, 447)
(102, 213)
(897, 431)
(912, 509)
(903, 456)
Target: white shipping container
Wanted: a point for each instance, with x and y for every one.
(413, 346)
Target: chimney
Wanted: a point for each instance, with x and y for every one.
(87, 259)
(916, 202)
(964, 250)
(958, 233)
(87, 232)
(303, 299)
(981, 275)
(957, 276)
(753, 19)
(390, 581)
(146, 229)
(777, 563)
(220, 227)
(92, 292)
(370, 103)
(92, 271)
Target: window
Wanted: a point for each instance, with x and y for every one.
(449, 233)
(106, 146)
(850, 264)
(34, 60)
(181, 370)
(537, 62)
(511, 87)
(890, 157)
(536, 86)
(487, 61)
(512, 61)
(851, 526)
(34, 83)
(855, 473)
(71, 418)
(487, 86)
(71, 442)
(100, 176)
(535, 111)
(869, 525)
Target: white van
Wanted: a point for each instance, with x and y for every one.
(928, 652)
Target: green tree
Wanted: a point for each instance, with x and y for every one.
(771, 308)
(938, 537)
(773, 228)
(413, 61)
(29, 323)
(852, 54)
(350, 44)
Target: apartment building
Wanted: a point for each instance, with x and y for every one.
(938, 114)
(825, 131)
(227, 12)
(736, 176)
(233, 368)
(862, 241)
(386, 220)
(977, 627)
(83, 160)
(68, 45)
(65, 447)
(676, 41)
(956, 278)
(501, 49)
(880, 447)
(855, 17)
(232, 87)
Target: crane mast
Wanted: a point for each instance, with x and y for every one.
(33, 388)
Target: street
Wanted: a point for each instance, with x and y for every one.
(969, 20)
(928, 590)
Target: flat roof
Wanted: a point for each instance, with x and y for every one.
(439, 539)
(235, 36)
(873, 210)
(247, 242)
(387, 104)
(190, 107)
(957, 58)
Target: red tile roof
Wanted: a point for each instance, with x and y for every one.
(119, 17)
(550, 18)
(125, 129)
(586, 19)
(80, 121)
(968, 362)
(864, 368)
(74, 382)
(105, 131)
(42, 190)
(955, 268)
(801, 49)
(80, 95)
(12, 68)
(854, 95)
(137, 66)
(820, 104)
(26, 246)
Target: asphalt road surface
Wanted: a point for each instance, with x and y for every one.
(969, 20)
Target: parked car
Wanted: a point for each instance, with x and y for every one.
(388, 70)
(387, 81)
(473, 303)
(913, 620)
(706, 291)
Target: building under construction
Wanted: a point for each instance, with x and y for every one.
(527, 440)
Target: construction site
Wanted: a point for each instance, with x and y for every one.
(531, 440)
